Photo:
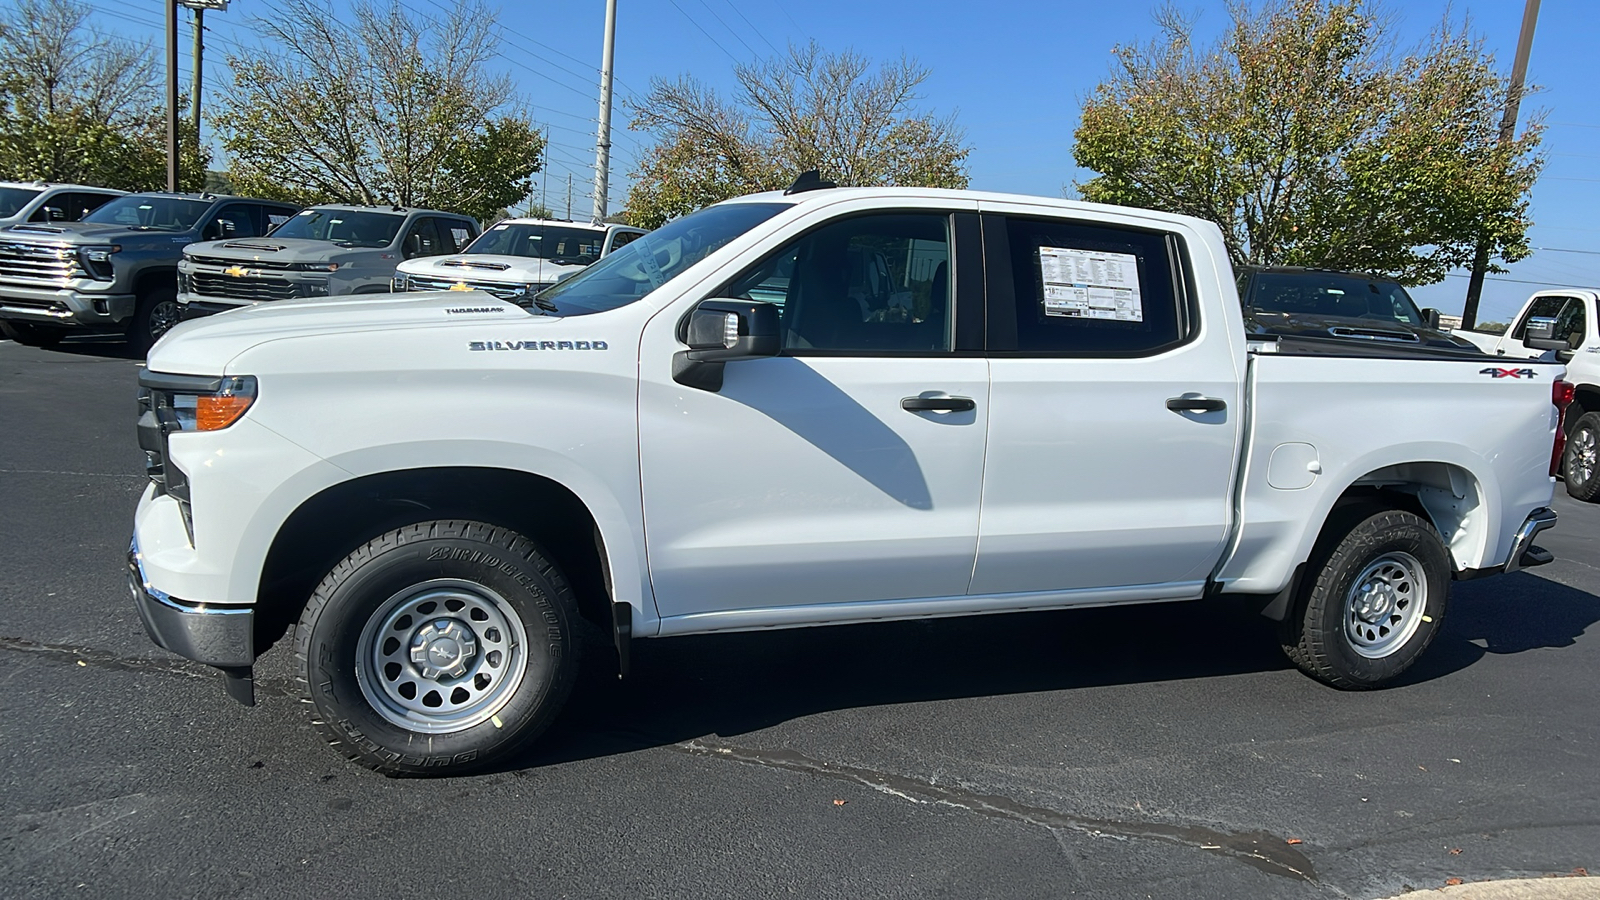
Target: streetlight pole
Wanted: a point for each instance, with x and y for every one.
(1508, 129)
(602, 148)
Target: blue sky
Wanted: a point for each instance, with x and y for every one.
(1014, 74)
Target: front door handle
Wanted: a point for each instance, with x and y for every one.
(1196, 404)
(938, 404)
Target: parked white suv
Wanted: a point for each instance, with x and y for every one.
(516, 258)
(815, 407)
(41, 201)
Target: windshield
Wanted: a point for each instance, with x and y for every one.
(1333, 295)
(155, 213)
(652, 260)
(557, 243)
(342, 226)
(12, 200)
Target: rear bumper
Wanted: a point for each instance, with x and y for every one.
(221, 636)
(1523, 555)
(1522, 550)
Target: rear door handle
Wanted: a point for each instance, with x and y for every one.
(938, 404)
(1196, 404)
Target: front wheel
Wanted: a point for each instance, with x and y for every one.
(157, 312)
(437, 648)
(1579, 467)
(1375, 601)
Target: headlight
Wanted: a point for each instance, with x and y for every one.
(96, 260)
(214, 410)
(314, 267)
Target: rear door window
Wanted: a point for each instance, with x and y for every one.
(455, 234)
(1065, 288)
(236, 220)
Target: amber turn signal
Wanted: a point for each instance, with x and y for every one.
(216, 411)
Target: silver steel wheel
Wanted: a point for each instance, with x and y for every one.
(441, 656)
(1385, 604)
(163, 316)
(1581, 455)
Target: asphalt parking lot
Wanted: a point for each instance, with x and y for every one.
(1165, 751)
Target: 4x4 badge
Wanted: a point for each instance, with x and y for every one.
(1497, 372)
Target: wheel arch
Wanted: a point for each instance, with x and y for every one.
(330, 524)
(1586, 399)
(1448, 495)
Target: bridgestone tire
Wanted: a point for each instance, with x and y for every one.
(1317, 633)
(356, 712)
(1582, 442)
(31, 335)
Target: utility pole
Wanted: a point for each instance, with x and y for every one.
(569, 196)
(172, 94)
(1508, 128)
(602, 146)
(199, 53)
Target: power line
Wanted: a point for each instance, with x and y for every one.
(753, 28)
(1520, 281)
(1565, 250)
(703, 31)
(730, 30)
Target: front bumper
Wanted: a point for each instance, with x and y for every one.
(66, 307)
(221, 636)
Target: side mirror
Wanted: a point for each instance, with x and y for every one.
(1540, 335)
(1430, 318)
(720, 330)
(55, 214)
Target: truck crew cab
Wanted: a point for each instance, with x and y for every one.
(815, 407)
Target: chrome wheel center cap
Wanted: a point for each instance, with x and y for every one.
(1377, 601)
(442, 648)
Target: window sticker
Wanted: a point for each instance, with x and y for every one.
(1090, 284)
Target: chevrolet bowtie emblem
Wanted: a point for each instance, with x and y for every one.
(460, 286)
(236, 271)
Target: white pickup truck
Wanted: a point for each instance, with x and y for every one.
(814, 407)
(1561, 326)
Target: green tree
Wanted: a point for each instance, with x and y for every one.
(1311, 139)
(808, 109)
(78, 105)
(392, 107)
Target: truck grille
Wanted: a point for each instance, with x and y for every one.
(33, 263)
(245, 288)
(498, 289)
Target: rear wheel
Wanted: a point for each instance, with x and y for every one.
(31, 335)
(438, 648)
(157, 312)
(1375, 601)
(1580, 468)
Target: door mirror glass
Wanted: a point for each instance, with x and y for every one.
(1430, 318)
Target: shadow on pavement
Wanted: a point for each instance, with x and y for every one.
(106, 346)
(688, 687)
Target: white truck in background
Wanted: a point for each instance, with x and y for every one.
(1561, 325)
(516, 258)
(815, 407)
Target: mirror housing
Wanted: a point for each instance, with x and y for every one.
(720, 330)
(55, 214)
(1540, 334)
(1430, 318)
